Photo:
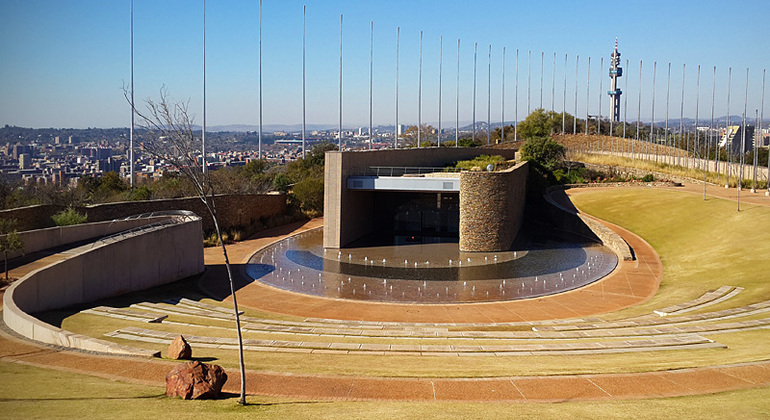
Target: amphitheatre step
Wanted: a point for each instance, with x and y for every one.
(629, 329)
(126, 314)
(678, 341)
(707, 299)
(748, 310)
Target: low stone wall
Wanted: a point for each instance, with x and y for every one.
(572, 220)
(233, 210)
(627, 172)
(136, 261)
(491, 208)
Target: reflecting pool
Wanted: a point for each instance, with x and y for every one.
(429, 270)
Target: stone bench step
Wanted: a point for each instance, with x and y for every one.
(678, 341)
(126, 314)
(707, 299)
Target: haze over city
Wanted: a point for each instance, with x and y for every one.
(64, 63)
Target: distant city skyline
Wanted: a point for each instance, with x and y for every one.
(64, 63)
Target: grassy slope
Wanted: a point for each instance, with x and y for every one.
(703, 244)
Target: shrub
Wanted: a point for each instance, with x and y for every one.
(648, 178)
(69, 217)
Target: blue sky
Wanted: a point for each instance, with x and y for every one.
(63, 62)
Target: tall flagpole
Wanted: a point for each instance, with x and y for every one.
(398, 38)
(529, 78)
(697, 115)
(563, 96)
(728, 147)
(601, 95)
(133, 113)
(743, 130)
(516, 102)
(669, 150)
(553, 83)
(475, 51)
(711, 125)
(339, 139)
(303, 82)
(638, 108)
(419, 97)
(440, 70)
(259, 152)
(588, 91)
(625, 108)
(652, 145)
(371, 63)
(542, 55)
(203, 132)
(681, 121)
(502, 102)
(457, 99)
(489, 94)
(574, 117)
(761, 118)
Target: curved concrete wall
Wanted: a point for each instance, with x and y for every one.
(40, 239)
(139, 260)
(573, 221)
(491, 208)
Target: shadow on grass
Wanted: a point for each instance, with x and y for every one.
(146, 397)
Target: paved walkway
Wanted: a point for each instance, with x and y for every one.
(631, 283)
(670, 383)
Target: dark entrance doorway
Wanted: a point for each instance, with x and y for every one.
(417, 215)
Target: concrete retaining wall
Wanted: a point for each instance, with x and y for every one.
(355, 208)
(139, 260)
(40, 239)
(491, 208)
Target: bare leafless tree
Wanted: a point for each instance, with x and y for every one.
(169, 135)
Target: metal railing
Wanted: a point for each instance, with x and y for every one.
(406, 170)
(172, 217)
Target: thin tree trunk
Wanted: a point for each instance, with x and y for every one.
(212, 211)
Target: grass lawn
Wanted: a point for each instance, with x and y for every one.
(34, 393)
(703, 244)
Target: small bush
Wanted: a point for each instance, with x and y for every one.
(69, 217)
(648, 178)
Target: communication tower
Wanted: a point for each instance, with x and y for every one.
(615, 92)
